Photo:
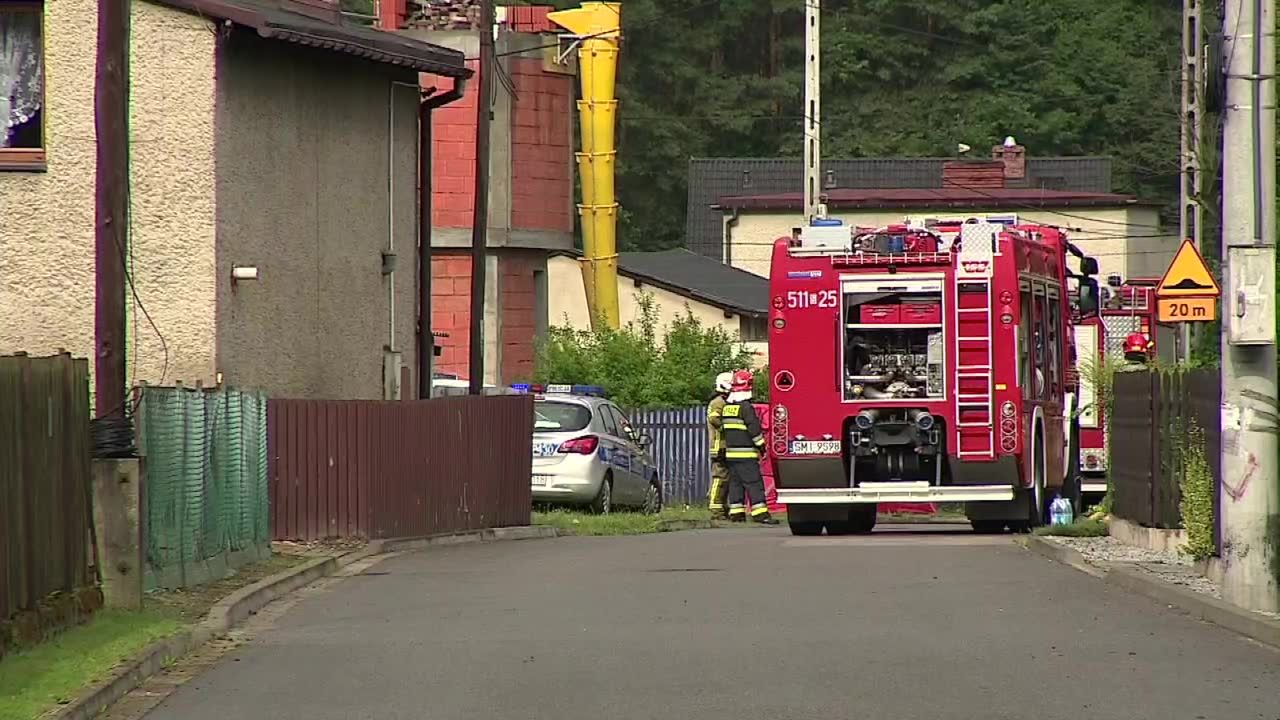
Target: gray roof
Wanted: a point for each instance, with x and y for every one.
(696, 277)
(326, 29)
(699, 277)
(713, 178)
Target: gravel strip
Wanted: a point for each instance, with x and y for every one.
(1168, 567)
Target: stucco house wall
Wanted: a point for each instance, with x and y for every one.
(306, 132)
(47, 218)
(1125, 240)
(301, 162)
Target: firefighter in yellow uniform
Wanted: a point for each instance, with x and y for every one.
(743, 439)
(719, 470)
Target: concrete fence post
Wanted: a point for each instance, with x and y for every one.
(117, 495)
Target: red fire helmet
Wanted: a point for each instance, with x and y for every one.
(1137, 343)
(742, 380)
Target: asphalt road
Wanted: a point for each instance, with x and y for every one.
(747, 623)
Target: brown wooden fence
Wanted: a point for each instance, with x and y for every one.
(45, 481)
(374, 469)
(1151, 411)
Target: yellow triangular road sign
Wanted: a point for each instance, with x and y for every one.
(1188, 276)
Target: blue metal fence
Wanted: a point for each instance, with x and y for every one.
(680, 450)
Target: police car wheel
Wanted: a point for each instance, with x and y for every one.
(653, 498)
(603, 504)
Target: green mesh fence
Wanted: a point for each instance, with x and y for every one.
(206, 483)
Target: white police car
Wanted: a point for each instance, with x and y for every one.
(585, 452)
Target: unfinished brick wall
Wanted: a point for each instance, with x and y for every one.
(451, 309)
(453, 164)
(519, 326)
(541, 150)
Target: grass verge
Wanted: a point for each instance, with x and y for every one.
(1088, 527)
(35, 681)
(619, 523)
(51, 674)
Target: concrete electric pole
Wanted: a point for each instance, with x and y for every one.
(1249, 495)
(111, 114)
(1190, 213)
(480, 216)
(812, 110)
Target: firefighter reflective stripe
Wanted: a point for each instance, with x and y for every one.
(719, 489)
(759, 509)
(736, 509)
(743, 434)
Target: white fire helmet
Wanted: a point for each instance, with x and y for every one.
(724, 382)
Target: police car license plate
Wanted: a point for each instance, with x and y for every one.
(544, 449)
(815, 447)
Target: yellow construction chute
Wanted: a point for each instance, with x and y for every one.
(598, 27)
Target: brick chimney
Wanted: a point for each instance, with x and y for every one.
(1014, 158)
(967, 174)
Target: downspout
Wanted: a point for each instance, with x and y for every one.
(726, 237)
(426, 341)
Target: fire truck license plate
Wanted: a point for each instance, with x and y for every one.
(815, 447)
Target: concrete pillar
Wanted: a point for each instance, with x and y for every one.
(117, 517)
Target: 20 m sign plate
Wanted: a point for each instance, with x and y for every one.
(1188, 291)
(1189, 309)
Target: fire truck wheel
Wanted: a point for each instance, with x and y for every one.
(1034, 497)
(987, 527)
(804, 529)
(862, 519)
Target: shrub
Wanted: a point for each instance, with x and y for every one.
(636, 367)
(1196, 484)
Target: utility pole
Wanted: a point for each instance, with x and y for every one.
(812, 109)
(1249, 498)
(1190, 213)
(480, 218)
(111, 218)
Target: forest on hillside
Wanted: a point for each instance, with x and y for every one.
(708, 78)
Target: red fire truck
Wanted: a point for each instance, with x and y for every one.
(923, 363)
(1127, 307)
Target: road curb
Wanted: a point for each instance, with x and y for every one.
(246, 601)
(1060, 553)
(681, 524)
(1199, 605)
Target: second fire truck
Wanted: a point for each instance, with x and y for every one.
(924, 363)
(1124, 326)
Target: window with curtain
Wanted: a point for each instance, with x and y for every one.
(21, 85)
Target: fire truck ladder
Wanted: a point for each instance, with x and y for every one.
(975, 420)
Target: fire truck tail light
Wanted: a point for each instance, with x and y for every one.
(784, 380)
(779, 447)
(780, 413)
(1008, 410)
(779, 323)
(1006, 319)
(1008, 443)
(1006, 297)
(778, 302)
(1008, 426)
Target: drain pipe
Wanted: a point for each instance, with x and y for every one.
(426, 341)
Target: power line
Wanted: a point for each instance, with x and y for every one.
(1037, 208)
